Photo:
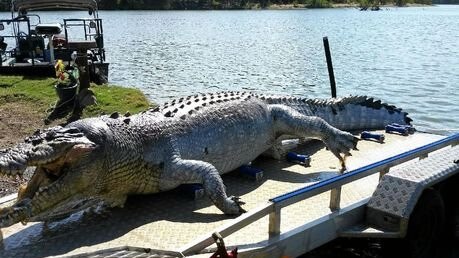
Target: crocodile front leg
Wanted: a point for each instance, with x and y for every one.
(181, 171)
(290, 121)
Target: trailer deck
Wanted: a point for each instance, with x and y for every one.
(174, 221)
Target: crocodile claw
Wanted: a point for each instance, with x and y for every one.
(233, 206)
(20, 212)
(239, 203)
(340, 142)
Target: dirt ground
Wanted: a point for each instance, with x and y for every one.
(18, 120)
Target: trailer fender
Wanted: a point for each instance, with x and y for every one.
(399, 191)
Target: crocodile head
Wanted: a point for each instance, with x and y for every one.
(57, 187)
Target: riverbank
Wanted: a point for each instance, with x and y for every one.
(246, 5)
(249, 4)
(340, 5)
(24, 102)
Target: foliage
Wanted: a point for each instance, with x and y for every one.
(175, 4)
(373, 4)
(318, 4)
(401, 3)
(427, 2)
(234, 4)
(364, 4)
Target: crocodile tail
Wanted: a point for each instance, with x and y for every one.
(347, 113)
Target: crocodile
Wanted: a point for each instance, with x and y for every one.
(100, 161)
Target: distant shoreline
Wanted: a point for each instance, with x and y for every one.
(258, 7)
(337, 5)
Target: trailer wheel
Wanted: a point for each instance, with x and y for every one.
(450, 239)
(449, 192)
(426, 226)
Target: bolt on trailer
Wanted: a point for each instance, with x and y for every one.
(391, 189)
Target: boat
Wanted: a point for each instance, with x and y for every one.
(32, 47)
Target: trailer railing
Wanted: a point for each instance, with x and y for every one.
(274, 206)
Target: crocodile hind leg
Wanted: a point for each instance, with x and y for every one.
(290, 121)
(182, 171)
(177, 171)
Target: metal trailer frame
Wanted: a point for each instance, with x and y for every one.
(418, 169)
(303, 239)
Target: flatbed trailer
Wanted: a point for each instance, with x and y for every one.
(292, 210)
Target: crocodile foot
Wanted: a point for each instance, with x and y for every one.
(233, 206)
(341, 142)
(18, 212)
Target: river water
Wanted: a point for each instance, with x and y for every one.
(405, 56)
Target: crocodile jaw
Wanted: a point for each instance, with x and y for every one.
(56, 185)
(47, 197)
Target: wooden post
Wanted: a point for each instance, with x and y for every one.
(335, 199)
(82, 60)
(274, 222)
(82, 63)
(331, 75)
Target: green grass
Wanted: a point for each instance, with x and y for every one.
(40, 93)
(119, 99)
(38, 90)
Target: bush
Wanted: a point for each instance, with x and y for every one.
(428, 2)
(319, 4)
(364, 4)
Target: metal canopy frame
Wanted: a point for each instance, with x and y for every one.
(26, 5)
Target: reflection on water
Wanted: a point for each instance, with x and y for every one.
(405, 56)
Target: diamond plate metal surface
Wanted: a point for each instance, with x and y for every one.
(128, 252)
(400, 189)
(170, 220)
